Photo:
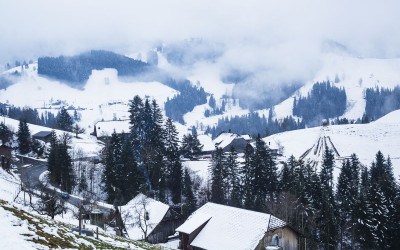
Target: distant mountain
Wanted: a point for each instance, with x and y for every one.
(75, 70)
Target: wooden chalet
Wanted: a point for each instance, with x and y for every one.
(215, 226)
(226, 140)
(44, 136)
(159, 219)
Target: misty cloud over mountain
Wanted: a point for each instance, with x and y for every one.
(259, 44)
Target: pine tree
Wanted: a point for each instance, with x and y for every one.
(189, 204)
(191, 145)
(247, 177)
(364, 214)
(65, 164)
(287, 175)
(173, 164)
(217, 168)
(109, 174)
(346, 197)
(265, 184)
(327, 220)
(233, 188)
(5, 133)
(136, 124)
(64, 120)
(382, 198)
(52, 161)
(23, 137)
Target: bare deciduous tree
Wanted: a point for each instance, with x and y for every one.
(78, 130)
(50, 202)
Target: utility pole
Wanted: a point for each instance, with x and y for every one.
(23, 178)
(80, 220)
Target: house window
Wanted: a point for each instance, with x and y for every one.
(275, 240)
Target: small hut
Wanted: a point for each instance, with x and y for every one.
(96, 217)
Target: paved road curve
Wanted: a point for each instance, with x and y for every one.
(30, 176)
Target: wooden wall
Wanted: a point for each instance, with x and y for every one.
(288, 239)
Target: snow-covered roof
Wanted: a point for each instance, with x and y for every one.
(207, 142)
(190, 225)
(227, 227)
(246, 137)
(138, 206)
(224, 139)
(106, 128)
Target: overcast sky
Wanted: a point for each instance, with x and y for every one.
(41, 27)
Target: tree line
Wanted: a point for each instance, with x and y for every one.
(323, 102)
(380, 101)
(148, 159)
(77, 69)
(360, 211)
(254, 124)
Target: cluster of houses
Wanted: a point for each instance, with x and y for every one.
(212, 226)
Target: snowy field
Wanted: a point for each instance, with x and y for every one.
(363, 139)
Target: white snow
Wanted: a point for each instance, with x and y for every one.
(362, 139)
(207, 142)
(106, 128)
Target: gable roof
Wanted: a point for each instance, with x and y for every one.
(42, 134)
(156, 209)
(224, 139)
(227, 227)
(207, 142)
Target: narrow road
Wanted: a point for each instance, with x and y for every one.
(30, 176)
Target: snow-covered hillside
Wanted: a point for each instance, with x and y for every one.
(354, 75)
(362, 139)
(23, 228)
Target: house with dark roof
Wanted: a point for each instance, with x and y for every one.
(215, 226)
(226, 140)
(44, 136)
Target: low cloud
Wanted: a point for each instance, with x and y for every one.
(271, 42)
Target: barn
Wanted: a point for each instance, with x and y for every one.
(215, 226)
(157, 219)
(44, 136)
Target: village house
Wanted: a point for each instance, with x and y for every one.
(215, 226)
(44, 136)
(147, 219)
(226, 140)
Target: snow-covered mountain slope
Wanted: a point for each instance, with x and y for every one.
(103, 87)
(365, 140)
(354, 75)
